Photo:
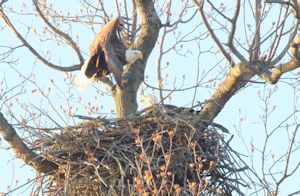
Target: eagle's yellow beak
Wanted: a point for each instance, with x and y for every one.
(139, 56)
(143, 99)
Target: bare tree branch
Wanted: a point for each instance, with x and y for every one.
(21, 149)
(286, 48)
(66, 37)
(33, 51)
(293, 4)
(213, 35)
(232, 33)
(255, 46)
(278, 35)
(134, 21)
(160, 56)
(274, 76)
(219, 11)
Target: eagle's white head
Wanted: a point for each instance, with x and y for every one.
(149, 100)
(133, 55)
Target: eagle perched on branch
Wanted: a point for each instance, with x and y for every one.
(108, 54)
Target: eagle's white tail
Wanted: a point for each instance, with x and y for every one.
(81, 81)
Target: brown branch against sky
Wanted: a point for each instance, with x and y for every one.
(65, 36)
(21, 149)
(33, 51)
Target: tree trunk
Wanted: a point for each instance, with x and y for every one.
(125, 99)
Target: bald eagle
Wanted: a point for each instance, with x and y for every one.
(108, 54)
(151, 100)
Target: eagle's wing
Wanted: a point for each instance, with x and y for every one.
(97, 64)
(114, 64)
(92, 65)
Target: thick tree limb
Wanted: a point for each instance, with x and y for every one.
(274, 76)
(245, 70)
(237, 78)
(33, 51)
(22, 150)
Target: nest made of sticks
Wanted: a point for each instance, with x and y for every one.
(157, 153)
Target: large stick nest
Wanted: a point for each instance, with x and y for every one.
(156, 152)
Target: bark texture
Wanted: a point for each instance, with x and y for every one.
(125, 99)
(236, 79)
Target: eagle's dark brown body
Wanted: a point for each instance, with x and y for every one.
(108, 54)
(105, 47)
